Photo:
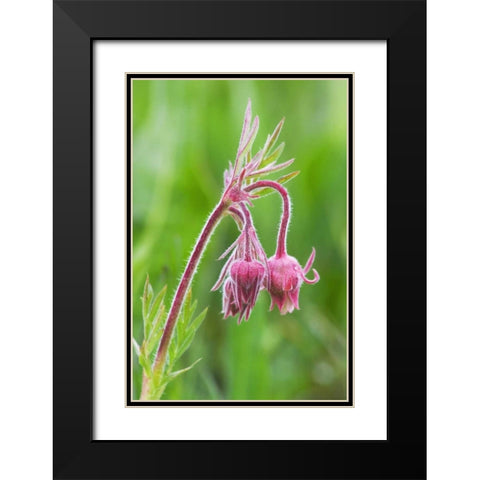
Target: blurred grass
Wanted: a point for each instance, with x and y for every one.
(184, 133)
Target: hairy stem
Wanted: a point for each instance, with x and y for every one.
(282, 231)
(248, 228)
(178, 299)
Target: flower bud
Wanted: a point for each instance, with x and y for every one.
(247, 277)
(285, 279)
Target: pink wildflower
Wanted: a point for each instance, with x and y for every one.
(247, 270)
(286, 278)
(244, 273)
(247, 277)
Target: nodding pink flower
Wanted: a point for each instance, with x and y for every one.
(286, 277)
(247, 277)
(247, 270)
(244, 273)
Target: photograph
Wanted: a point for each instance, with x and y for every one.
(239, 206)
(239, 239)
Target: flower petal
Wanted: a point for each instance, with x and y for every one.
(310, 260)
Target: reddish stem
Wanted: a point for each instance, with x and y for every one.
(237, 216)
(182, 288)
(247, 228)
(282, 231)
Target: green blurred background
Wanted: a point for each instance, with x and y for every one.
(184, 134)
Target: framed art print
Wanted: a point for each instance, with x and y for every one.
(239, 213)
(331, 98)
(268, 364)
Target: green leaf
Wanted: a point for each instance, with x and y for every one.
(184, 346)
(158, 302)
(145, 363)
(154, 319)
(184, 316)
(154, 316)
(271, 139)
(262, 192)
(185, 329)
(159, 320)
(190, 333)
(286, 178)
(151, 344)
(248, 145)
(187, 306)
(192, 309)
(156, 312)
(270, 169)
(172, 375)
(157, 385)
(273, 156)
(195, 324)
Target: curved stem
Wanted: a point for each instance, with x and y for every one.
(282, 231)
(237, 216)
(179, 297)
(248, 227)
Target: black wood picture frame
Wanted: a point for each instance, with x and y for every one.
(77, 24)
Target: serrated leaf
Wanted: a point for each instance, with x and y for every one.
(272, 168)
(159, 320)
(246, 120)
(186, 343)
(144, 361)
(247, 145)
(156, 311)
(184, 316)
(151, 344)
(192, 309)
(273, 156)
(181, 340)
(255, 161)
(271, 139)
(172, 375)
(172, 353)
(195, 323)
(157, 302)
(286, 178)
(186, 307)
